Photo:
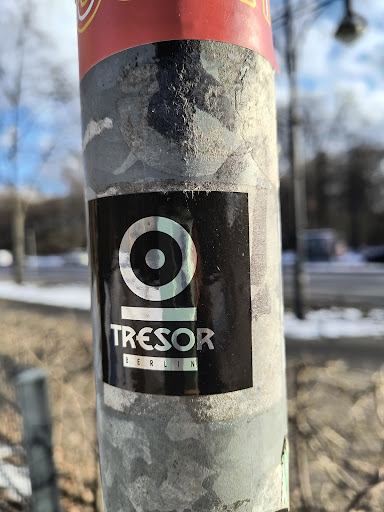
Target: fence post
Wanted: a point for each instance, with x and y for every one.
(33, 400)
(180, 154)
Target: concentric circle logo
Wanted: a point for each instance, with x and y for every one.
(155, 258)
(86, 10)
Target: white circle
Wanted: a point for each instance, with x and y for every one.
(155, 258)
(188, 258)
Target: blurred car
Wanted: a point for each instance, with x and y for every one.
(320, 244)
(76, 257)
(374, 254)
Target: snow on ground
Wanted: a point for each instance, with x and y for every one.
(335, 323)
(13, 478)
(71, 296)
(323, 323)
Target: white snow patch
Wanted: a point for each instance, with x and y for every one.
(13, 478)
(71, 296)
(337, 323)
(323, 323)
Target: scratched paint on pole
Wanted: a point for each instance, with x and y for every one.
(106, 27)
(174, 291)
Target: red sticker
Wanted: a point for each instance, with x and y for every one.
(106, 27)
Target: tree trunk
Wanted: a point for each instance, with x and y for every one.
(18, 237)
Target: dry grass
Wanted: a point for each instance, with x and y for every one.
(336, 420)
(336, 416)
(61, 344)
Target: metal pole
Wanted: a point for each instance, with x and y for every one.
(297, 175)
(348, 8)
(179, 143)
(33, 400)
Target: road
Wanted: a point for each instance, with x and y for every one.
(50, 275)
(360, 353)
(326, 284)
(330, 285)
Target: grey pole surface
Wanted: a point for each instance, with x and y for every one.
(33, 400)
(196, 117)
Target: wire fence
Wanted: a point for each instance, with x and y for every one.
(15, 486)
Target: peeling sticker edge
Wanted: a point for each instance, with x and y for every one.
(95, 128)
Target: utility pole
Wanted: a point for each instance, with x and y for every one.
(351, 27)
(299, 215)
(180, 154)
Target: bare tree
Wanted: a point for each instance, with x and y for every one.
(33, 89)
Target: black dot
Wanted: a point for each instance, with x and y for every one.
(172, 253)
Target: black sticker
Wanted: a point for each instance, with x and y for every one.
(173, 277)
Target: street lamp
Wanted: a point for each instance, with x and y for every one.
(351, 27)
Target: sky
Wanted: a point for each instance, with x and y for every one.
(341, 86)
(48, 124)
